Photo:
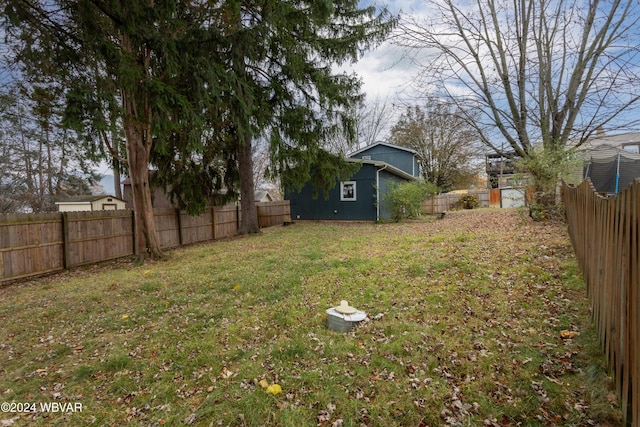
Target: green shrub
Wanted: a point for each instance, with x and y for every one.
(469, 201)
(405, 200)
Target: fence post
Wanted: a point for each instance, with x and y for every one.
(179, 222)
(65, 241)
(134, 235)
(213, 222)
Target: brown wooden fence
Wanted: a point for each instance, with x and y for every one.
(605, 236)
(444, 202)
(32, 244)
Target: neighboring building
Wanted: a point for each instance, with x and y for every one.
(91, 203)
(506, 184)
(263, 196)
(361, 197)
(612, 162)
(628, 142)
(501, 170)
(161, 200)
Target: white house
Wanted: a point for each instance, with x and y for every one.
(91, 203)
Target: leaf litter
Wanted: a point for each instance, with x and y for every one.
(480, 318)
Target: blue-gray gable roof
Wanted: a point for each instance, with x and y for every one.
(379, 143)
(386, 166)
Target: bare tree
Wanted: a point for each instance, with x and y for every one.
(40, 163)
(373, 121)
(446, 145)
(261, 166)
(543, 74)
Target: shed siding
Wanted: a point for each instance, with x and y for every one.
(402, 160)
(73, 207)
(305, 207)
(386, 181)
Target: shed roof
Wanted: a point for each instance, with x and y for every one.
(386, 166)
(261, 194)
(386, 144)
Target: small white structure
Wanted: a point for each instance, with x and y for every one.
(512, 197)
(102, 202)
(344, 317)
(263, 196)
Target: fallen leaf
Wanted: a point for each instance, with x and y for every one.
(274, 389)
(565, 335)
(263, 383)
(226, 373)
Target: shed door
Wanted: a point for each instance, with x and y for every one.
(512, 198)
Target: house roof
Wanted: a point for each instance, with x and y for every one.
(386, 166)
(612, 140)
(261, 194)
(87, 198)
(606, 151)
(397, 147)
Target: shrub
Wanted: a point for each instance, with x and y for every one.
(469, 201)
(405, 200)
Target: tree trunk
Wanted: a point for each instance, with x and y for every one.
(147, 244)
(137, 119)
(117, 184)
(138, 142)
(249, 223)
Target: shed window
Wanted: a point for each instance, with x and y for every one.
(348, 191)
(633, 148)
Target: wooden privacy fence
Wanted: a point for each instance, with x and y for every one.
(444, 202)
(605, 236)
(32, 244)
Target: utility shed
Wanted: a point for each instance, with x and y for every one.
(361, 197)
(91, 203)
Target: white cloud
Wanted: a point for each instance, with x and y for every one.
(384, 72)
(387, 72)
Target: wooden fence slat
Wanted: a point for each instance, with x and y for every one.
(605, 234)
(32, 244)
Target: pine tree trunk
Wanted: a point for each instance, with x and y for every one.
(147, 244)
(249, 223)
(137, 121)
(138, 142)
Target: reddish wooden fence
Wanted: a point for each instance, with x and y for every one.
(605, 236)
(32, 244)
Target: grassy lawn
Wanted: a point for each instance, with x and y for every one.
(465, 321)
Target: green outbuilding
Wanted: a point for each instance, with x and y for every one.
(361, 198)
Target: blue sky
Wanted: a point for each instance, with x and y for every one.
(387, 74)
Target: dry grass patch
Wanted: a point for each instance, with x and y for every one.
(466, 321)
